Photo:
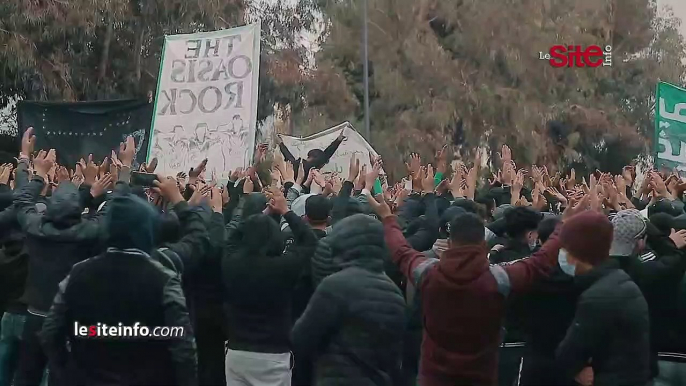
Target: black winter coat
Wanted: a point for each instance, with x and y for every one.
(259, 289)
(611, 328)
(56, 240)
(355, 320)
(658, 274)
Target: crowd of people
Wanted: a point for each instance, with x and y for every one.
(307, 278)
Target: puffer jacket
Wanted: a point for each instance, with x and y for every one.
(354, 322)
(657, 273)
(55, 240)
(422, 238)
(611, 326)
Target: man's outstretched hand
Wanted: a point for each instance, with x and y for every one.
(194, 173)
(43, 162)
(277, 202)
(28, 142)
(127, 150)
(341, 136)
(379, 205)
(575, 208)
(167, 188)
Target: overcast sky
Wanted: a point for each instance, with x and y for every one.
(679, 7)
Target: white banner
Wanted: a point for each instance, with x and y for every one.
(206, 104)
(339, 163)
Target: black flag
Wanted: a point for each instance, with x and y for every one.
(78, 129)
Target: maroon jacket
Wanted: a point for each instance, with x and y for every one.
(463, 303)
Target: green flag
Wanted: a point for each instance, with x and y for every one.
(670, 127)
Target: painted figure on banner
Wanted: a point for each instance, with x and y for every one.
(241, 133)
(199, 144)
(172, 143)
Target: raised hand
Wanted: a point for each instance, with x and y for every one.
(127, 150)
(371, 177)
(195, 172)
(575, 207)
(558, 196)
(248, 185)
(536, 174)
(317, 177)
(471, 182)
(379, 205)
(288, 172)
(658, 185)
(538, 200)
(571, 181)
(152, 166)
(496, 178)
(341, 136)
(100, 186)
(235, 175)
(90, 170)
(225, 195)
(277, 202)
(506, 155)
(115, 160)
(428, 180)
(353, 168)
(442, 160)
(217, 200)
(104, 167)
(43, 162)
(5, 173)
(628, 173)
(414, 166)
(167, 188)
(28, 142)
(201, 191)
(517, 185)
(336, 184)
(62, 174)
(457, 182)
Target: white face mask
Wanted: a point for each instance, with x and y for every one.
(532, 245)
(533, 241)
(569, 269)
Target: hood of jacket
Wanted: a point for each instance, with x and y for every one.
(358, 240)
(262, 236)
(254, 204)
(64, 206)
(131, 223)
(464, 264)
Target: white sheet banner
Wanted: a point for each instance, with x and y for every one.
(206, 104)
(339, 163)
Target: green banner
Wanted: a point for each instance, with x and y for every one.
(670, 127)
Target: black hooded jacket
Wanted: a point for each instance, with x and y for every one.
(355, 320)
(259, 280)
(123, 285)
(319, 161)
(55, 240)
(611, 326)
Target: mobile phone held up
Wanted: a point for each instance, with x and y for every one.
(146, 180)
